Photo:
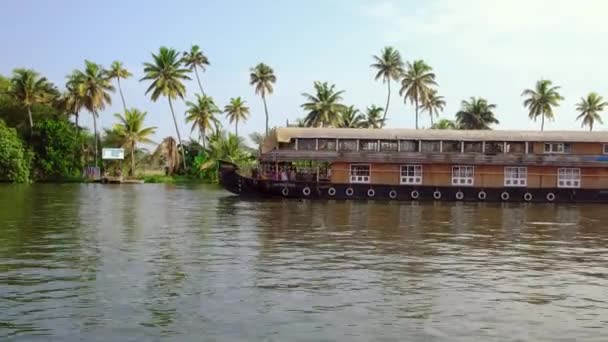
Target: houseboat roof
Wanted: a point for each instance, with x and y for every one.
(288, 133)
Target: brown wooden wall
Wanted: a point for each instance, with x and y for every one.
(576, 148)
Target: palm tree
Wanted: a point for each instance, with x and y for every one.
(224, 146)
(94, 86)
(73, 98)
(131, 132)
(390, 67)
(118, 71)
(167, 76)
(476, 114)
(324, 108)
(167, 149)
(202, 116)
(236, 111)
(262, 78)
(257, 139)
(373, 117)
(416, 84)
(433, 104)
(541, 100)
(590, 109)
(28, 88)
(351, 118)
(444, 124)
(194, 59)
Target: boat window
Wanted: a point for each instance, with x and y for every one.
(389, 146)
(327, 144)
(291, 145)
(494, 147)
(347, 145)
(408, 145)
(516, 176)
(463, 175)
(568, 177)
(605, 146)
(557, 148)
(368, 145)
(360, 173)
(307, 144)
(516, 147)
(411, 174)
(472, 147)
(430, 146)
(451, 147)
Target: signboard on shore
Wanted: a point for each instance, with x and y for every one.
(113, 154)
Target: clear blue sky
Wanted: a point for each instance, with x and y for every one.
(493, 49)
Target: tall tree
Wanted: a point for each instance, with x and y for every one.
(434, 104)
(373, 117)
(444, 124)
(95, 87)
(590, 109)
(194, 59)
(389, 67)
(131, 132)
(476, 114)
(541, 100)
(202, 116)
(72, 100)
(167, 76)
(351, 117)
(263, 79)
(236, 111)
(118, 71)
(324, 107)
(28, 88)
(416, 84)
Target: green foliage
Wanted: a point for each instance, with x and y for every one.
(351, 118)
(590, 109)
(202, 115)
(417, 83)
(434, 104)
(262, 78)
(194, 59)
(444, 124)
(541, 100)
(167, 75)
(236, 111)
(373, 117)
(389, 66)
(14, 160)
(57, 146)
(476, 114)
(324, 107)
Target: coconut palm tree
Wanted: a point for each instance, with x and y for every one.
(433, 104)
(324, 108)
(131, 131)
(95, 87)
(72, 100)
(263, 79)
(118, 71)
(444, 124)
(541, 100)
(590, 108)
(201, 114)
(476, 114)
(389, 67)
(167, 76)
(416, 84)
(194, 59)
(373, 117)
(236, 111)
(28, 88)
(351, 118)
(224, 146)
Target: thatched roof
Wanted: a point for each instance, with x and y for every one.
(286, 134)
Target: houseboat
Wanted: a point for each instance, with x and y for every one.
(427, 165)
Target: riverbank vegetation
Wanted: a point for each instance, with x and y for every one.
(42, 139)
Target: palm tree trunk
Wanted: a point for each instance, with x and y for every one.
(96, 137)
(542, 122)
(591, 126)
(236, 126)
(203, 133)
(265, 111)
(76, 115)
(29, 113)
(416, 101)
(388, 100)
(122, 97)
(179, 137)
(431, 113)
(132, 171)
(200, 85)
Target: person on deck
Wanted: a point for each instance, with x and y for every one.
(284, 177)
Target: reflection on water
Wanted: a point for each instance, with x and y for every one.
(100, 263)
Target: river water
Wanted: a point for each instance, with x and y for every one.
(178, 263)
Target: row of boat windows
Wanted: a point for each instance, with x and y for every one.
(464, 175)
(488, 147)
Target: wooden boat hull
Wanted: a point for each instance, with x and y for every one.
(232, 181)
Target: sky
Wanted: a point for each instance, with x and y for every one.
(491, 49)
